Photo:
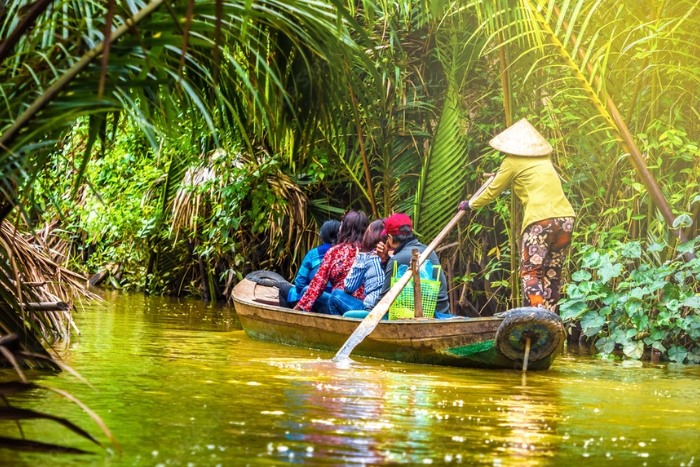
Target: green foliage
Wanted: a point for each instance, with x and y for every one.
(386, 107)
(626, 301)
(111, 216)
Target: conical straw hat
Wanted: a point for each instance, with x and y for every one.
(522, 139)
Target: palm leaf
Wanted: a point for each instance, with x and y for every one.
(443, 179)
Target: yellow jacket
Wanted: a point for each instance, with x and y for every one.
(537, 185)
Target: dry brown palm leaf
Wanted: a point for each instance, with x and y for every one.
(46, 289)
(190, 201)
(291, 216)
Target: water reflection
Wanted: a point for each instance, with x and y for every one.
(180, 385)
(350, 414)
(530, 413)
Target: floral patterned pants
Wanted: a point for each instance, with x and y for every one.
(545, 245)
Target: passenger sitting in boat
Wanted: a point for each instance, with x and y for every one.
(399, 230)
(367, 271)
(336, 265)
(291, 293)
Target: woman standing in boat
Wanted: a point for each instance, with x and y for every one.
(548, 220)
(336, 265)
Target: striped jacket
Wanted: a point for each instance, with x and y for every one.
(367, 270)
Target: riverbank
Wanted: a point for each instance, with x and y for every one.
(180, 384)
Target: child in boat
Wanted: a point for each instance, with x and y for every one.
(367, 271)
(291, 293)
(336, 265)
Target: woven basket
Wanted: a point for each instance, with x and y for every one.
(404, 306)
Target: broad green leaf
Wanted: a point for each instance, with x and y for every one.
(581, 275)
(657, 334)
(655, 247)
(694, 355)
(677, 354)
(609, 346)
(683, 221)
(591, 260)
(642, 322)
(687, 247)
(609, 271)
(632, 250)
(658, 346)
(638, 292)
(572, 309)
(591, 323)
(574, 291)
(691, 302)
(632, 307)
(634, 350)
(605, 345)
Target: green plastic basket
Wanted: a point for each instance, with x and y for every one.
(404, 305)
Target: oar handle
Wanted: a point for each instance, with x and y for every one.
(455, 220)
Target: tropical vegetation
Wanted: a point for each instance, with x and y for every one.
(176, 145)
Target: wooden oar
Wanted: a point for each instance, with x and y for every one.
(375, 316)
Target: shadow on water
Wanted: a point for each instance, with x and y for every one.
(180, 384)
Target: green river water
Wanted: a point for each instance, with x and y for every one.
(179, 384)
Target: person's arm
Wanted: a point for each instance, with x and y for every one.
(356, 276)
(302, 278)
(388, 272)
(375, 263)
(318, 283)
(504, 177)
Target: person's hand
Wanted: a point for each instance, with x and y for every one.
(383, 252)
(296, 308)
(464, 205)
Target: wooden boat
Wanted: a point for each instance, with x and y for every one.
(492, 342)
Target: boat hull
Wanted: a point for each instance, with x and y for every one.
(456, 342)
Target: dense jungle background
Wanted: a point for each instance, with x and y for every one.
(171, 147)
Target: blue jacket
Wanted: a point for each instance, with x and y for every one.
(368, 270)
(309, 266)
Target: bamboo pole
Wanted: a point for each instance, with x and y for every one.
(513, 228)
(622, 130)
(417, 297)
